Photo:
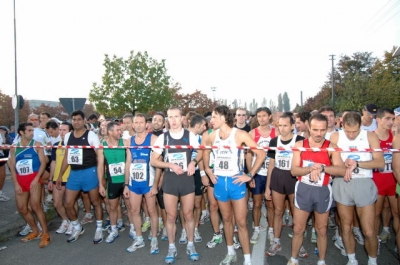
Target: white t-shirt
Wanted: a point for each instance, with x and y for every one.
(92, 139)
(372, 127)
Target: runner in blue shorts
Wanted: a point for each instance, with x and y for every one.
(229, 179)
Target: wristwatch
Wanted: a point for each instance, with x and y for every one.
(322, 168)
(195, 161)
(251, 176)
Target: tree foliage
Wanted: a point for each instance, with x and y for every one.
(195, 101)
(280, 102)
(286, 102)
(7, 115)
(137, 83)
(361, 79)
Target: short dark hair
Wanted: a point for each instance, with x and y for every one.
(224, 111)
(286, 115)
(381, 112)
(22, 126)
(160, 113)
(45, 114)
(197, 119)
(304, 116)
(51, 124)
(265, 109)
(78, 113)
(111, 124)
(326, 108)
(92, 116)
(318, 117)
(70, 127)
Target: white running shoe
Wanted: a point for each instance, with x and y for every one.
(63, 227)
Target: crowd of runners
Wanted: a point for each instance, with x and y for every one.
(159, 175)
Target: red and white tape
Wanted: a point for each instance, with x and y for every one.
(202, 147)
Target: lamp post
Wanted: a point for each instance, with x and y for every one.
(16, 121)
(213, 88)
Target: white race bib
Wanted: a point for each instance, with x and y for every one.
(178, 159)
(24, 167)
(117, 169)
(388, 163)
(75, 156)
(307, 178)
(138, 172)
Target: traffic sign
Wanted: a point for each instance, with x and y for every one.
(72, 104)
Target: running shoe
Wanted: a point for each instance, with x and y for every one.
(217, 239)
(75, 234)
(164, 236)
(63, 227)
(192, 254)
(4, 198)
(384, 236)
(290, 262)
(98, 236)
(145, 226)
(271, 237)
(106, 226)
(313, 236)
(236, 243)
(88, 218)
(204, 218)
(331, 222)
(273, 249)
(121, 227)
(26, 230)
(138, 243)
(197, 236)
(31, 236)
(183, 238)
(228, 259)
(154, 246)
(255, 237)
(171, 256)
(160, 226)
(303, 253)
(359, 236)
(112, 236)
(69, 229)
(132, 233)
(352, 262)
(45, 241)
(340, 246)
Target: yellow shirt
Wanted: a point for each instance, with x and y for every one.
(60, 152)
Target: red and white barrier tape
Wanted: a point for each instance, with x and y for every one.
(202, 147)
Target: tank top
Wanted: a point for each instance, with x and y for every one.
(114, 160)
(180, 156)
(228, 161)
(308, 158)
(387, 155)
(60, 153)
(361, 142)
(283, 158)
(141, 172)
(27, 161)
(263, 142)
(81, 158)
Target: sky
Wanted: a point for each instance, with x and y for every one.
(246, 49)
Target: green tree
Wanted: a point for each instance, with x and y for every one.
(286, 102)
(272, 106)
(280, 102)
(137, 83)
(264, 102)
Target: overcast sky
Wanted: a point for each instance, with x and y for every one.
(246, 49)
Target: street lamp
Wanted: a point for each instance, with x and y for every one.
(213, 88)
(15, 69)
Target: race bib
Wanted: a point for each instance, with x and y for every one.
(75, 156)
(116, 169)
(24, 167)
(283, 160)
(178, 159)
(307, 178)
(138, 172)
(388, 164)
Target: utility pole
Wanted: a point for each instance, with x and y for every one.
(16, 119)
(213, 88)
(333, 78)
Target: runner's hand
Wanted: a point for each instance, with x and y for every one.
(102, 191)
(50, 185)
(126, 192)
(267, 194)
(176, 169)
(241, 179)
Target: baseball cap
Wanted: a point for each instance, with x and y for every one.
(397, 111)
(4, 128)
(371, 108)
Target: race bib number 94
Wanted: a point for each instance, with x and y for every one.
(24, 167)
